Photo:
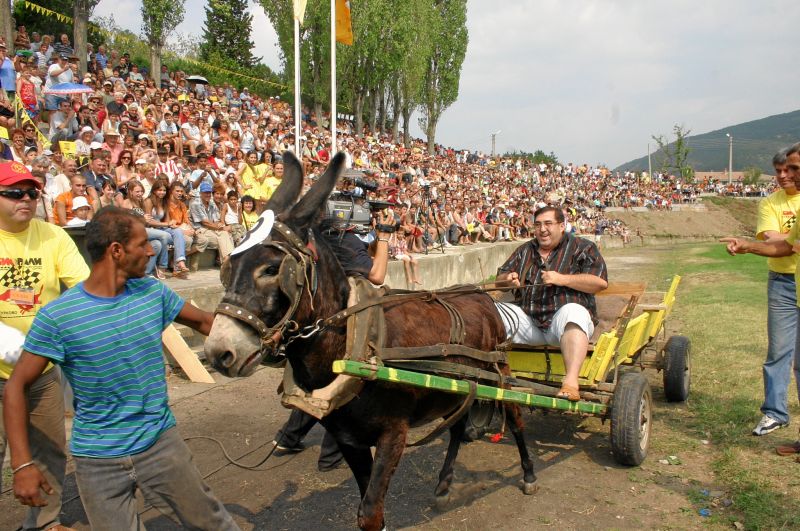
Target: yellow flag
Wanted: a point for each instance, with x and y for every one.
(300, 10)
(344, 26)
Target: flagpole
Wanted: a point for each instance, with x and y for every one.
(297, 116)
(333, 77)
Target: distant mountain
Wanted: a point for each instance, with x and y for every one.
(754, 144)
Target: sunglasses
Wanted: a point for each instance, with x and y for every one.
(18, 195)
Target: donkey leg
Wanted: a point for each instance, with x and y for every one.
(517, 429)
(388, 449)
(442, 491)
(360, 462)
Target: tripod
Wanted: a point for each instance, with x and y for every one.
(427, 213)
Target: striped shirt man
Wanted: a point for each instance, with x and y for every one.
(572, 256)
(110, 351)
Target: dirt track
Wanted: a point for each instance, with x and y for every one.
(581, 487)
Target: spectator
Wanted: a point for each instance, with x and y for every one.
(135, 421)
(63, 46)
(63, 203)
(59, 261)
(157, 217)
(206, 220)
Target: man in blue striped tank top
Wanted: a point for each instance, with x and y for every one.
(105, 333)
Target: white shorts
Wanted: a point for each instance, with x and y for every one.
(521, 329)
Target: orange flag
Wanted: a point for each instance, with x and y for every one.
(344, 26)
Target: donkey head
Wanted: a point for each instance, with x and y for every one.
(271, 286)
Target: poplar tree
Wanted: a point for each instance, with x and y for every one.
(226, 32)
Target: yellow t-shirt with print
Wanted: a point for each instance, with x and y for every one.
(33, 264)
(794, 239)
(778, 212)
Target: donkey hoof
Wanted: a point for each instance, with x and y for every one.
(529, 489)
(442, 502)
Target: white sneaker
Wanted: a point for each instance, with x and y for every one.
(767, 425)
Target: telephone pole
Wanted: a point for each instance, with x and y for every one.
(730, 157)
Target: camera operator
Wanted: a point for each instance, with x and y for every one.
(357, 260)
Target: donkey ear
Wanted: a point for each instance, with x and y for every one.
(309, 206)
(286, 193)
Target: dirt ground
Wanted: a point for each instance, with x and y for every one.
(581, 487)
(715, 222)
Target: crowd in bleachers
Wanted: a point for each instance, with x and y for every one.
(200, 161)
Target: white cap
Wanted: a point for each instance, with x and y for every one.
(87, 129)
(95, 145)
(141, 136)
(79, 202)
(140, 161)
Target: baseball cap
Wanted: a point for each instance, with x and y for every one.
(106, 82)
(141, 136)
(140, 161)
(205, 187)
(79, 202)
(95, 145)
(16, 172)
(87, 129)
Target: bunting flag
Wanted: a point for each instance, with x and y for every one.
(20, 111)
(64, 19)
(344, 26)
(300, 10)
(36, 8)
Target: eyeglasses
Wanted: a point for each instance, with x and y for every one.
(18, 195)
(539, 225)
(129, 158)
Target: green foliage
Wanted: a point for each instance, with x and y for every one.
(50, 25)
(449, 47)
(752, 175)
(227, 32)
(159, 18)
(673, 156)
(537, 157)
(314, 44)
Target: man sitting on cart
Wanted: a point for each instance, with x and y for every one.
(558, 275)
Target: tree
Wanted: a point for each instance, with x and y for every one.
(674, 156)
(82, 10)
(227, 31)
(752, 175)
(449, 47)
(414, 64)
(7, 25)
(681, 152)
(159, 18)
(314, 45)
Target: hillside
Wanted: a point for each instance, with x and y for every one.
(754, 144)
(725, 217)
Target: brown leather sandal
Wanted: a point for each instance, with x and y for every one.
(567, 392)
(790, 449)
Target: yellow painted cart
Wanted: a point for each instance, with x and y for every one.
(629, 338)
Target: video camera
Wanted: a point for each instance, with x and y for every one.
(354, 209)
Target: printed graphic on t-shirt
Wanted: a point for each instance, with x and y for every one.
(20, 282)
(791, 219)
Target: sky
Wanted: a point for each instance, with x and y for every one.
(592, 80)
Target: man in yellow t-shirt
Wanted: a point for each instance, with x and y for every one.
(780, 231)
(777, 214)
(35, 258)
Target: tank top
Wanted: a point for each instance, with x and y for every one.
(231, 217)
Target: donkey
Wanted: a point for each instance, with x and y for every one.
(383, 412)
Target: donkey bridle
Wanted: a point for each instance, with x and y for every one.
(298, 264)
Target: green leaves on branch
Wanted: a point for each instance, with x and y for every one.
(673, 156)
(227, 32)
(159, 18)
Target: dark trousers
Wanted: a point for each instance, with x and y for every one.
(297, 427)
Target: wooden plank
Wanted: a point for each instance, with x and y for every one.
(186, 358)
(623, 288)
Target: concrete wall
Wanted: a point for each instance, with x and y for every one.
(458, 265)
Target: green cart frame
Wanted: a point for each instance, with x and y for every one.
(629, 338)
